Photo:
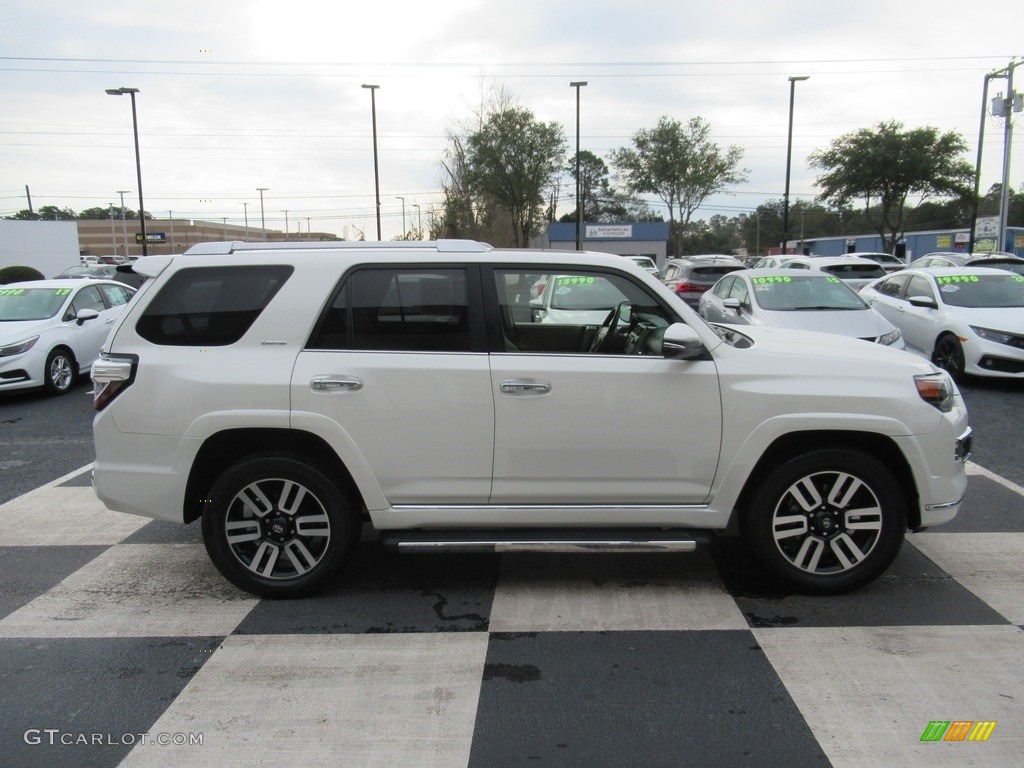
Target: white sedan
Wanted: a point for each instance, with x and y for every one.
(52, 330)
(805, 301)
(967, 320)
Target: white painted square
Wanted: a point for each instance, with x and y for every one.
(607, 592)
(869, 693)
(54, 516)
(991, 565)
(404, 700)
(136, 590)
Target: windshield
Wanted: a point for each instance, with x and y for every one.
(31, 303)
(804, 293)
(584, 293)
(982, 290)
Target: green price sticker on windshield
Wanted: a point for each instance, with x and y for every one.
(833, 280)
(11, 291)
(62, 292)
(952, 279)
(766, 280)
(575, 281)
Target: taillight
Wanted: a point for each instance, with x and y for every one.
(110, 377)
(684, 286)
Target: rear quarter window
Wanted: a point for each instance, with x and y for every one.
(210, 306)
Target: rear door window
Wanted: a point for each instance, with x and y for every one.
(398, 309)
(210, 306)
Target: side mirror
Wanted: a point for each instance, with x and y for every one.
(681, 342)
(922, 301)
(731, 303)
(86, 314)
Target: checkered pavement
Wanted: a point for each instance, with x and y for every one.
(117, 634)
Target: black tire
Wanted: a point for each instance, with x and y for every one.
(800, 527)
(949, 355)
(60, 373)
(291, 527)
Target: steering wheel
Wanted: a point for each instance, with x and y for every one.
(608, 327)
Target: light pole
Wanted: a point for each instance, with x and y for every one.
(124, 224)
(419, 221)
(245, 209)
(579, 203)
(138, 162)
(403, 215)
(789, 158)
(287, 233)
(263, 218)
(376, 168)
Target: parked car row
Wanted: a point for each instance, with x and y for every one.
(964, 312)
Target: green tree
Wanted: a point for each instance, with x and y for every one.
(884, 165)
(512, 159)
(53, 213)
(601, 202)
(681, 165)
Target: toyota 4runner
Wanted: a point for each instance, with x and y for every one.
(287, 395)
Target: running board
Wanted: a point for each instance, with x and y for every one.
(544, 540)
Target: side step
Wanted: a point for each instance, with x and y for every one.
(545, 540)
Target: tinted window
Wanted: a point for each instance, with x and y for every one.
(210, 306)
(892, 286)
(398, 309)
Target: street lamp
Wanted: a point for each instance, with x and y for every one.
(138, 162)
(579, 203)
(263, 218)
(287, 233)
(403, 215)
(245, 209)
(376, 170)
(789, 157)
(419, 219)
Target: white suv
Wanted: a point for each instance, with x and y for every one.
(288, 394)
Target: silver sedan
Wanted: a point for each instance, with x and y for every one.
(803, 301)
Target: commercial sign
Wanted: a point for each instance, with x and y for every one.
(152, 237)
(604, 231)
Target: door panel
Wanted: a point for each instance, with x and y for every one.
(595, 429)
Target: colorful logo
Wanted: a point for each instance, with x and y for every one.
(958, 730)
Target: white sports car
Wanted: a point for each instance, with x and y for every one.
(968, 320)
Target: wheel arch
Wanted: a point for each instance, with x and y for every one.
(219, 451)
(793, 444)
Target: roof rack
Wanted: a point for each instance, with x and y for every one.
(440, 246)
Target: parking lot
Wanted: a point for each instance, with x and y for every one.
(123, 645)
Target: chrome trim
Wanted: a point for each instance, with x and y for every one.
(554, 545)
(336, 384)
(959, 452)
(944, 505)
(528, 507)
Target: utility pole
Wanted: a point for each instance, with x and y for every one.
(1012, 103)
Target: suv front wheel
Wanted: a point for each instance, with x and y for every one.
(827, 521)
(277, 527)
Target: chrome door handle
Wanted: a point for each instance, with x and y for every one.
(336, 384)
(525, 387)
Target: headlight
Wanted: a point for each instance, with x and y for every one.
(999, 337)
(936, 389)
(18, 347)
(891, 337)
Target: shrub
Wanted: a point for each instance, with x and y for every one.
(18, 274)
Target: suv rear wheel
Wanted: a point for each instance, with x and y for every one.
(827, 521)
(278, 527)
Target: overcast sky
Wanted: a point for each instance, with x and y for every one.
(239, 95)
